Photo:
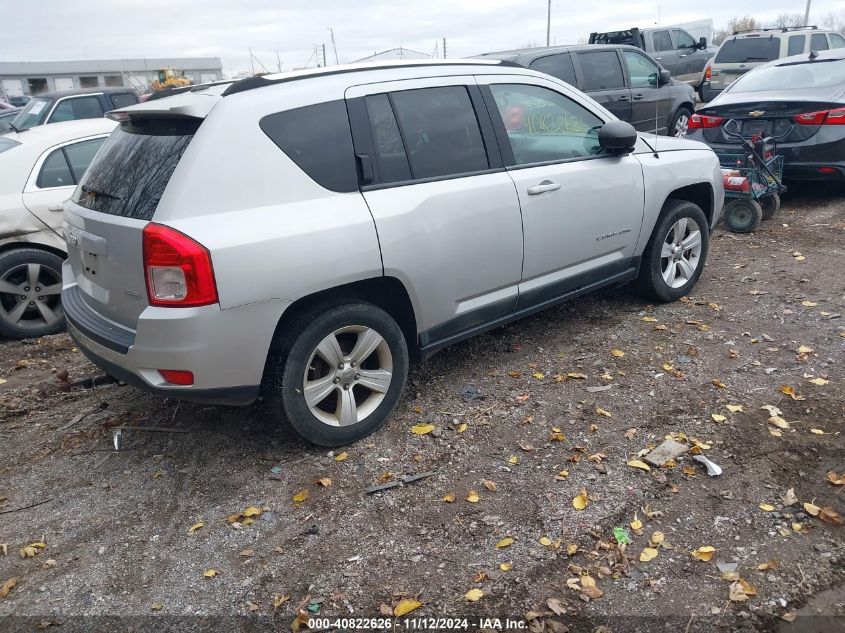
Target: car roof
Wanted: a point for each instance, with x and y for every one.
(78, 91)
(820, 56)
(527, 55)
(780, 31)
(55, 133)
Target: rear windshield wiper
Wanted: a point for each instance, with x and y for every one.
(97, 192)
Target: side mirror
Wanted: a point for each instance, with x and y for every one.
(665, 77)
(702, 43)
(617, 137)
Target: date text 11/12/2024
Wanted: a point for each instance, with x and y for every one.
(417, 624)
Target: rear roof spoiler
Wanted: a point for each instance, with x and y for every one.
(191, 104)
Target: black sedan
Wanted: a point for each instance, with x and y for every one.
(799, 101)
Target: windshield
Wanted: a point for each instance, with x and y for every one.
(132, 169)
(7, 143)
(748, 49)
(801, 76)
(32, 114)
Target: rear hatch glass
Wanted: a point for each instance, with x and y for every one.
(748, 49)
(132, 169)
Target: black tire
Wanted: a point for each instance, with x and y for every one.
(681, 112)
(14, 270)
(285, 380)
(743, 216)
(769, 205)
(650, 281)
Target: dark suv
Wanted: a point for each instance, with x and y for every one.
(623, 79)
(69, 105)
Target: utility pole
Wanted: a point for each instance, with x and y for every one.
(251, 63)
(324, 55)
(807, 14)
(444, 48)
(334, 46)
(278, 61)
(548, 21)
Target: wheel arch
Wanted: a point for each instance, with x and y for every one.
(700, 194)
(17, 245)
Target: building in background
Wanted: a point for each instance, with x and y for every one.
(31, 78)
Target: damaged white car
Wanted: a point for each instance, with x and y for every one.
(39, 169)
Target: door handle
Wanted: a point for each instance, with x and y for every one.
(658, 58)
(637, 97)
(543, 187)
(55, 207)
(623, 98)
(681, 55)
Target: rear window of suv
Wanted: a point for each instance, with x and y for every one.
(748, 49)
(134, 165)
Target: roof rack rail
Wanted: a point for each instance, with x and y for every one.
(256, 81)
(780, 29)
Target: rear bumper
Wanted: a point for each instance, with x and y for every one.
(226, 350)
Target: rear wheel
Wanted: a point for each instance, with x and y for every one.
(339, 374)
(743, 216)
(769, 205)
(30, 293)
(674, 258)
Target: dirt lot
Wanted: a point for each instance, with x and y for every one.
(511, 410)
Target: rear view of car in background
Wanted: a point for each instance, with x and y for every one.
(797, 101)
(39, 169)
(746, 50)
(6, 117)
(70, 105)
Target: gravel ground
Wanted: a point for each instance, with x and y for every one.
(526, 418)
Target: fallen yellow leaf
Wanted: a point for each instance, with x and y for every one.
(195, 527)
(819, 381)
(545, 541)
(618, 353)
(156, 606)
(812, 508)
(817, 432)
(636, 525)
(209, 573)
(474, 595)
(636, 463)
(600, 411)
(406, 606)
(32, 550)
(572, 549)
(735, 408)
(657, 538)
(648, 554)
(279, 599)
(422, 429)
(779, 422)
(648, 319)
(718, 383)
(463, 427)
(342, 457)
(449, 497)
(581, 501)
(576, 375)
(301, 496)
(505, 542)
(325, 482)
(766, 507)
(704, 553)
(490, 485)
(506, 566)
(8, 586)
(472, 496)
(538, 375)
(251, 511)
(513, 460)
(717, 417)
(790, 391)
(809, 304)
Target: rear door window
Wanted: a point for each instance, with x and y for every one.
(390, 151)
(317, 138)
(77, 108)
(601, 70)
(130, 172)
(662, 41)
(559, 66)
(748, 49)
(55, 171)
(795, 45)
(123, 99)
(836, 40)
(80, 155)
(440, 131)
(818, 42)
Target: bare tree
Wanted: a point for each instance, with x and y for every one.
(735, 25)
(835, 21)
(787, 20)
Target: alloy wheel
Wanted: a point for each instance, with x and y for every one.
(681, 126)
(348, 375)
(680, 254)
(30, 296)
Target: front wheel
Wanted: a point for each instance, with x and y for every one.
(341, 373)
(30, 293)
(743, 216)
(680, 123)
(674, 258)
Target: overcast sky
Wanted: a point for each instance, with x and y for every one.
(105, 29)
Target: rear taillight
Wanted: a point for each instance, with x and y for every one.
(178, 269)
(703, 121)
(708, 73)
(822, 117)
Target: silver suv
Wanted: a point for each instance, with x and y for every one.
(303, 235)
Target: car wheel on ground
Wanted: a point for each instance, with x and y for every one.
(340, 373)
(675, 255)
(743, 216)
(769, 205)
(30, 293)
(680, 123)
